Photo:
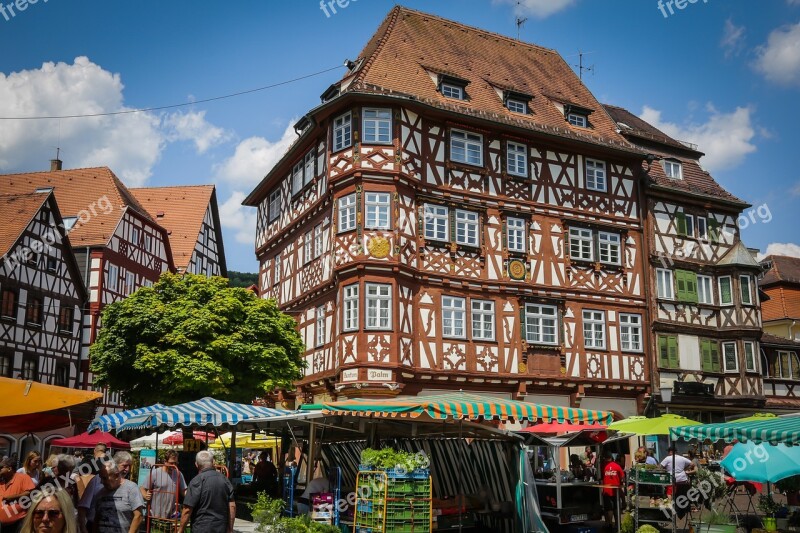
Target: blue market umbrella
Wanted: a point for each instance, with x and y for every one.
(763, 463)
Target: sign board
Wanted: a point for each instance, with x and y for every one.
(191, 445)
(147, 458)
(350, 374)
(379, 374)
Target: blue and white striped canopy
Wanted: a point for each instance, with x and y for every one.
(203, 412)
(115, 420)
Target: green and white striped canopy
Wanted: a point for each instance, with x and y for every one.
(783, 429)
(465, 406)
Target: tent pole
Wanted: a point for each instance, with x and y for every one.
(461, 496)
(312, 450)
(232, 456)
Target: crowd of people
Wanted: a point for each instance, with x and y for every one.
(57, 497)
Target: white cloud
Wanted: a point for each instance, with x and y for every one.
(725, 138)
(779, 59)
(254, 158)
(783, 248)
(192, 126)
(795, 191)
(732, 38)
(538, 8)
(130, 144)
(238, 218)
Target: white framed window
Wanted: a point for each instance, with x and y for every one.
(452, 90)
(130, 282)
(673, 170)
(702, 228)
(787, 366)
(467, 228)
(379, 306)
(308, 247)
(705, 290)
(350, 308)
(320, 325)
(541, 324)
(750, 356)
(595, 175)
(276, 270)
(517, 106)
(318, 240)
(377, 126)
(347, 213)
(594, 329)
(729, 357)
(437, 223)
(577, 119)
(466, 147)
(308, 167)
(148, 242)
(689, 225)
(665, 284)
(725, 290)
(135, 236)
(297, 177)
(581, 244)
(376, 205)
(482, 320)
(630, 332)
(515, 234)
(113, 278)
(454, 312)
(746, 290)
(342, 132)
(517, 159)
(609, 247)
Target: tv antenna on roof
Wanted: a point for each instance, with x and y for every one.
(520, 20)
(580, 66)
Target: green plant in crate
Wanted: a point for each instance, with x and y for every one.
(627, 524)
(647, 529)
(268, 514)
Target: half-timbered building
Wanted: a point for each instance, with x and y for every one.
(460, 212)
(41, 300)
(190, 215)
(702, 281)
(117, 245)
(781, 284)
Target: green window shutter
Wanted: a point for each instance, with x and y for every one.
(672, 349)
(680, 223)
(680, 285)
(713, 230)
(690, 278)
(663, 352)
(705, 352)
(715, 356)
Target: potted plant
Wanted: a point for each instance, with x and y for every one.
(791, 487)
(768, 506)
(717, 522)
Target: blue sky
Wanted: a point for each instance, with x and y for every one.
(724, 74)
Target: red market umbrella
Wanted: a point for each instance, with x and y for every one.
(90, 440)
(177, 438)
(561, 427)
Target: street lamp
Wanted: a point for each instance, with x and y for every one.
(666, 396)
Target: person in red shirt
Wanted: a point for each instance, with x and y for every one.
(613, 476)
(13, 487)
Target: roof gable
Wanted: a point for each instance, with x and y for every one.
(739, 255)
(16, 213)
(782, 269)
(409, 45)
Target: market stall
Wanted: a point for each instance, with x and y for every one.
(30, 406)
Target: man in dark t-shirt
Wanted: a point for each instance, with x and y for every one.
(209, 499)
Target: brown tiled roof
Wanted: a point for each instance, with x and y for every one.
(180, 210)
(410, 46)
(78, 190)
(695, 180)
(782, 342)
(784, 269)
(16, 212)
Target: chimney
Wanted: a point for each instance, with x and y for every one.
(55, 164)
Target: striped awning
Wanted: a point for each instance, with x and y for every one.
(203, 412)
(465, 406)
(113, 421)
(783, 429)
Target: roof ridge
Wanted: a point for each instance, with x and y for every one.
(389, 20)
(172, 187)
(56, 171)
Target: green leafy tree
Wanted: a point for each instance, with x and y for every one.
(190, 336)
(242, 279)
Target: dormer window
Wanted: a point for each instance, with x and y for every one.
(517, 106)
(576, 119)
(451, 87)
(673, 169)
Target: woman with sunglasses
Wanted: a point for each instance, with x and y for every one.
(51, 514)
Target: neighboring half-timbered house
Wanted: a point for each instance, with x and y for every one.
(781, 284)
(469, 220)
(190, 215)
(702, 281)
(117, 245)
(780, 366)
(41, 298)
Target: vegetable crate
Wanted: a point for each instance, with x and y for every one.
(406, 504)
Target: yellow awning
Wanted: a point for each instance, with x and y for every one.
(50, 404)
(246, 441)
